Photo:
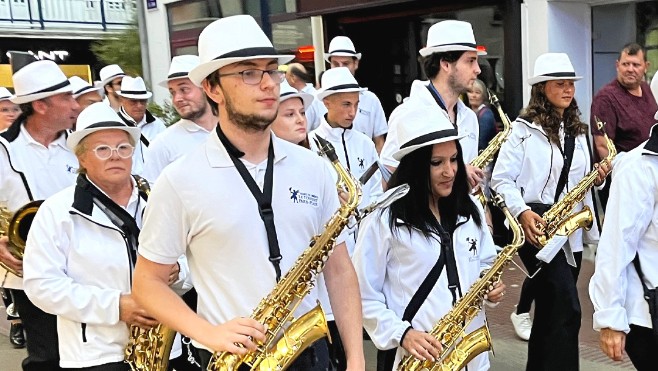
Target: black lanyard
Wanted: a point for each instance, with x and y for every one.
(264, 198)
(439, 101)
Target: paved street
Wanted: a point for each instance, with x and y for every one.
(510, 352)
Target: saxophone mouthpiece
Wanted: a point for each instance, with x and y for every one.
(325, 148)
(493, 99)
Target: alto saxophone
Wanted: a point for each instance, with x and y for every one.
(452, 326)
(277, 308)
(148, 350)
(560, 218)
(16, 226)
(487, 155)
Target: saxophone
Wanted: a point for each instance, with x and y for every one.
(148, 350)
(487, 155)
(276, 309)
(560, 218)
(16, 226)
(452, 326)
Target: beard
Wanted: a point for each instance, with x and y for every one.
(195, 114)
(248, 122)
(456, 86)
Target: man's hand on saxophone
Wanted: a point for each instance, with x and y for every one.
(7, 258)
(603, 168)
(531, 223)
(496, 292)
(422, 345)
(237, 336)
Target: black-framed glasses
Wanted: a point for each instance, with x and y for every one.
(124, 150)
(254, 77)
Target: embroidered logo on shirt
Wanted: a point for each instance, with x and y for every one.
(71, 169)
(473, 242)
(471, 135)
(361, 165)
(364, 112)
(303, 198)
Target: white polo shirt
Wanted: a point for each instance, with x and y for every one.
(370, 118)
(214, 220)
(149, 130)
(47, 170)
(173, 143)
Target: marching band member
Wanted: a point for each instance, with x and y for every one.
(617, 291)
(84, 93)
(111, 77)
(38, 165)
(9, 111)
(82, 247)
(233, 262)
(437, 223)
(290, 123)
(527, 174)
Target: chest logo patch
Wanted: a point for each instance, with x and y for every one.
(361, 165)
(473, 242)
(299, 197)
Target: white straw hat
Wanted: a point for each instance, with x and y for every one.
(38, 80)
(288, 92)
(229, 40)
(447, 36)
(110, 72)
(341, 46)
(81, 86)
(338, 80)
(180, 67)
(5, 94)
(553, 66)
(133, 88)
(98, 116)
(424, 126)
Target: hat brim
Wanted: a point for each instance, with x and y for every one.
(405, 151)
(75, 137)
(7, 97)
(200, 72)
(85, 91)
(135, 96)
(341, 54)
(306, 98)
(33, 97)
(537, 79)
(165, 83)
(429, 50)
(109, 79)
(323, 93)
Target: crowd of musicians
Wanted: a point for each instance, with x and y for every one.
(192, 225)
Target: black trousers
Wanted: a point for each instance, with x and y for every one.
(336, 350)
(116, 366)
(553, 343)
(7, 299)
(309, 360)
(642, 347)
(41, 332)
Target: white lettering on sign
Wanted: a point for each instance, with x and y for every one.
(53, 55)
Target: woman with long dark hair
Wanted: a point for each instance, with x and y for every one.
(546, 155)
(437, 227)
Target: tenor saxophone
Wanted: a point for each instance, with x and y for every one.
(488, 154)
(16, 226)
(277, 308)
(148, 350)
(560, 218)
(452, 327)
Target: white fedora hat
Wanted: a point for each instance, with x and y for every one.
(110, 72)
(448, 36)
(98, 116)
(288, 92)
(80, 86)
(5, 94)
(134, 88)
(338, 80)
(341, 46)
(180, 67)
(38, 80)
(424, 126)
(230, 40)
(553, 66)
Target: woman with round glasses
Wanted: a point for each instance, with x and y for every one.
(82, 247)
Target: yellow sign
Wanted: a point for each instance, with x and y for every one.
(81, 70)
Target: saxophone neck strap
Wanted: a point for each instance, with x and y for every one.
(439, 100)
(264, 198)
(569, 146)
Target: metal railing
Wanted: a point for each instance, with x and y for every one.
(44, 14)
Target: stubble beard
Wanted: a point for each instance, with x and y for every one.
(248, 122)
(457, 87)
(196, 114)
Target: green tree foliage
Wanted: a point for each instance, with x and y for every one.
(166, 112)
(121, 48)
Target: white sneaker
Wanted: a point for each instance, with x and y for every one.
(522, 325)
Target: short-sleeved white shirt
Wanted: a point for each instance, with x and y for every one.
(173, 143)
(201, 207)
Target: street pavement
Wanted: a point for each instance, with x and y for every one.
(510, 351)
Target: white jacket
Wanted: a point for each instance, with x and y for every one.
(630, 228)
(77, 266)
(467, 124)
(150, 127)
(370, 118)
(528, 169)
(391, 266)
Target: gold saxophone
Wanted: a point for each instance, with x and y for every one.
(276, 309)
(148, 350)
(487, 155)
(452, 326)
(560, 218)
(16, 226)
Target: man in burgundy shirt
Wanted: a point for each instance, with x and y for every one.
(626, 106)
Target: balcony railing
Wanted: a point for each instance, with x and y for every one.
(46, 14)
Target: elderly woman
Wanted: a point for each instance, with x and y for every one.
(531, 175)
(478, 101)
(417, 257)
(8, 111)
(82, 247)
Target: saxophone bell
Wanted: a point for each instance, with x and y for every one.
(16, 227)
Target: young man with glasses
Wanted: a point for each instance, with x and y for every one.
(249, 206)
